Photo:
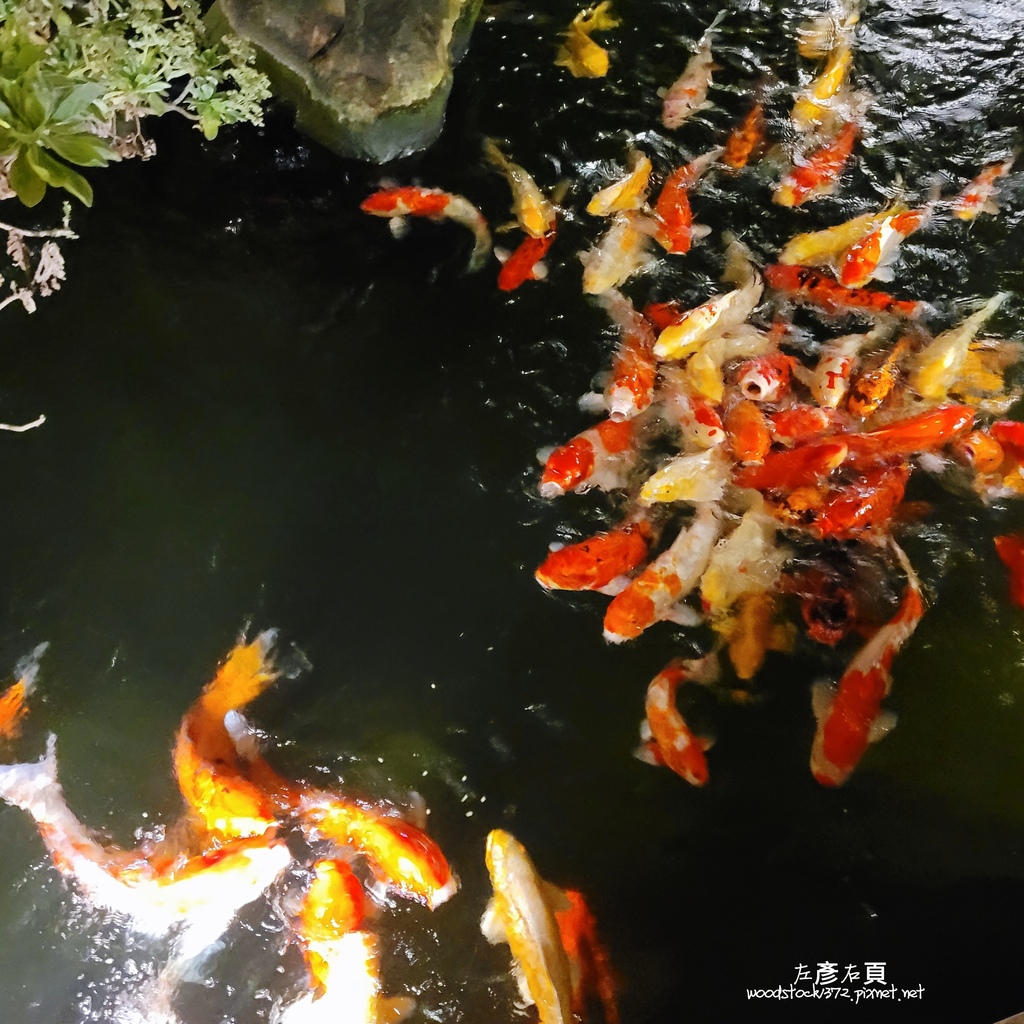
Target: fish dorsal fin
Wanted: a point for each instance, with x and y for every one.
(882, 726)
(555, 897)
(822, 695)
(393, 1009)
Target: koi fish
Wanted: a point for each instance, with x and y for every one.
(938, 364)
(412, 201)
(818, 36)
(749, 435)
(799, 423)
(200, 894)
(591, 965)
(766, 378)
(343, 961)
(704, 369)
(522, 913)
(804, 284)
(746, 140)
(818, 173)
(665, 738)
(688, 93)
(620, 253)
(696, 478)
(579, 53)
(535, 213)
(813, 104)
(867, 504)
(852, 717)
(827, 604)
(655, 593)
(206, 763)
(981, 451)
(13, 706)
(524, 263)
(795, 467)
(924, 432)
(874, 385)
(601, 457)
(752, 631)
(1010, 549)
(824, 248)
(634, 367)
(869, 259)
(981, 381)
(830, 380)
(676, 230)
(979, 195)
(628, 193)
(597, 562)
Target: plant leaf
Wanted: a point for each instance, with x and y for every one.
(53, 172)
(77, 102)
(82, 148)
(28, 186)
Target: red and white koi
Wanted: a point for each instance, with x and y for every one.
(655, 594)
(634, 367)
(602, 456)
(766, 378)
(818, 173)
(688, 93)
(869, 259)
(979, 195)
(412, 201)
(852, 717)
(524, 263)
(665, 737)
(830, 379)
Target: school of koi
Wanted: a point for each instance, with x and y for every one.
(760, 465)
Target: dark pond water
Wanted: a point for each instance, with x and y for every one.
(263, 411)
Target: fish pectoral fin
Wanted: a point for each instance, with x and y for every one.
(539, 271)
(393, 1009)
(684, 615)
(491, 924)
(990, 206)
(555, 897)
(502, 254)
(645, 732)
(616, 586)
(705, 742)
(882, 726)
(884, 273)
(648, 753)
(822, 695)
(699, 231)
(398, 226)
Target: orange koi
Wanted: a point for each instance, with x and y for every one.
(818, 173)
(665, 737)
(751, 632)
(766, 378)
(979, 195)
(796, 467)
(13, 701)
(676, 230)
(853, 717)
(598, 561)
(654, 594)
(634, 368)
(412, 201)
(869, 259)
(868, 504)
(1010, 548)
(981, 451)
(664, 314)
(524, 263)
(600, 457)
(808, 285)
(749, 435)
(800, 423)
(1009, 434)
(874, 385)
(577, 929)
(924, 432)
(746, 140)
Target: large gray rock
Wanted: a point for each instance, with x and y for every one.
(368, 78)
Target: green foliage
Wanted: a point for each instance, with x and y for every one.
(77, 76)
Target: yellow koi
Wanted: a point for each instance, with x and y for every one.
(535, 213)
(579, 53)
(628, 193)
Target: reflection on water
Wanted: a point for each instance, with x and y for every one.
(262, 409)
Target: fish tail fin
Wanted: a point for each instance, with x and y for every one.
(32, 785)
(715, 22)
(28, 668)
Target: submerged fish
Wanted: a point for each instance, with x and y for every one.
(676, 230)
(412, 201)
(628, 193)
(535, 213)
(688, 93)
(13, 706)
(979, 195)
(818, 173)
(621, 252)
(524, 263)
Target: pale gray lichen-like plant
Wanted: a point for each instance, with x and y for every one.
(77, 77)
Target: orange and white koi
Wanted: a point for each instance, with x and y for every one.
(524, 262)
(805, 284)
(1010, 548)
(697, 418)
(634, 367)
(817, 173)
(342, 959)
(13, 701)
(200, 894)
(852, 717)
(766, 378)
(412, 201)
(602, 456)
(676, 230)
(694, 478)
(598, 562)
(825, 247)
(655, 594)
(535, 213)
(869, 259)
(522, 912)
(620, 253)
(979, 195)
(628, 193)
(210, 774)
(939, 363)
(579, 53)
(665, 738)
(749, 435)
(746, 140)
(688, 93)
